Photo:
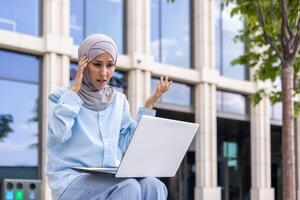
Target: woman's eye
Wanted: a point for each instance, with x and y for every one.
(111, 65)
(97, 64)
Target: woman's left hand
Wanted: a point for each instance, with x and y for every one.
(163, 86)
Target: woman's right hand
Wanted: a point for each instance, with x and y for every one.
(78, 78)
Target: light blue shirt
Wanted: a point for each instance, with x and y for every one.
(82, 137)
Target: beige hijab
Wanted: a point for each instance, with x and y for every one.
(91, 47)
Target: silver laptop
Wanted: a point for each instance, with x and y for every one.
(156, 149)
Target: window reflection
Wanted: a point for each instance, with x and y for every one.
(232, 103)
(170, 42)
(226, 28)
(276, 109)
(19, 67)
(233, 140)
(89, 17)
(23, 18)
(276, 113)
(118, 81)
(19, 110)
(276, 161)
(179, 94)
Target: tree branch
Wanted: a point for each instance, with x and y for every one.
(273, 10)
(296, 41)
(267, 37)
(291, 35)
(284, 25)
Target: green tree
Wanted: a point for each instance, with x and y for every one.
(272, 36)
(5, 128)
(34, 119)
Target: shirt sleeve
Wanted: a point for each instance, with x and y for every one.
(63, 115)
(129, 124)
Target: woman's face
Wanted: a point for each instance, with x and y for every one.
(100, 70)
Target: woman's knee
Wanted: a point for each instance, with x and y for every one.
(153, 184)
(132, 185)
(127, 189)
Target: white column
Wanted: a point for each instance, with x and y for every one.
(138, 46)
(56, 15)
(137, 93)
(138, 26)
(54, 74)
(55, 70)
(205, 98)
(206, 143)
(261, 151)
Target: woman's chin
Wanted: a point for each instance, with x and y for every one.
(100, 86)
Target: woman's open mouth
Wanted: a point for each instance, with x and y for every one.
(100, 81)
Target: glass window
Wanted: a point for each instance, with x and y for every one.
(226, 28)
(21, 16)
(89, 17)
(73, 70)
(232, 103)
(276, 161)
(171, 42)
(276, 109)
(179, 94)
(234, 173)
(19, 67)
(19, 115)
(118, 81)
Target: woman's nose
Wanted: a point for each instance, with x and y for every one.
(102, 70)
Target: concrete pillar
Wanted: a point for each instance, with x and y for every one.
(261, 151)
(206, 143)
(54, 74)
(138, 26)
(138, 89)
(56, 17)
(205, 102)
(138, 46)
(55, 69)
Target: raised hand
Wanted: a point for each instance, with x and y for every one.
(163, 86)
(78, 78)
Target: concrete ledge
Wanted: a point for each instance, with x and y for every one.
(208, 193)
(262, 194)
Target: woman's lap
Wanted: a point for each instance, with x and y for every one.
(105, 186)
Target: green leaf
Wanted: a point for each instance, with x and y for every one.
(256, 98)
(276, 97)
(296, 109)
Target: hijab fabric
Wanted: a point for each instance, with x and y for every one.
(91, 47)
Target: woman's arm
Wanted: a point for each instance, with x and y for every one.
(128, 124)
(63, 114)
(67, 108)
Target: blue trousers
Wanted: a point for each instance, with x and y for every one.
(107, 187)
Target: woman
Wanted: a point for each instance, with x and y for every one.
(90, 126)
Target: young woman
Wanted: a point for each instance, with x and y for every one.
(91, 126)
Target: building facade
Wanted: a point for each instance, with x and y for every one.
(237, 151)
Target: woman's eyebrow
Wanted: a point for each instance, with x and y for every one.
(100, 61)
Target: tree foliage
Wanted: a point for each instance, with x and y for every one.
(5, 128)
(264, 40)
